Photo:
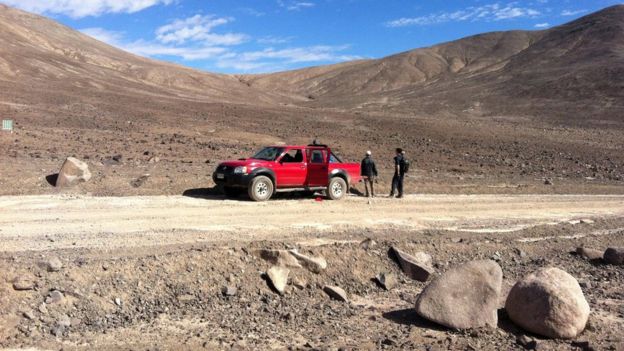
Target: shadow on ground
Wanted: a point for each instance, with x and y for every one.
(51, 179)
(409, 316)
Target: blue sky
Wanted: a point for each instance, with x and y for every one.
(252, 36)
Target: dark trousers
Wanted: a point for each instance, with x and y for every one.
(397, 184)
(368, 181)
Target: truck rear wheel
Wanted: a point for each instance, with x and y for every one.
(260, 189)
(337, 188)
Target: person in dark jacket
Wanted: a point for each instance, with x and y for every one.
(399, 174)
(368, 173)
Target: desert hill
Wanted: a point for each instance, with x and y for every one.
(42, 54)
(576, 67)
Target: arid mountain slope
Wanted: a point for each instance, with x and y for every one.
(466, 57)
(44, 55)
(577, 67)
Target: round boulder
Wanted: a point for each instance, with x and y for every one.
(548, 302)
(463, 297)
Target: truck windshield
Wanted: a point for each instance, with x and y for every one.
(268, 153)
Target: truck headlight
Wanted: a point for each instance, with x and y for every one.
(240, 170)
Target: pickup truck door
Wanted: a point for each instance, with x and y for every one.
(291, 169)
(318, 167)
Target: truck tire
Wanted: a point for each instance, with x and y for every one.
(260, 188)
(231, 192)
(337, 188)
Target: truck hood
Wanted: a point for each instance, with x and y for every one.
(247, 162)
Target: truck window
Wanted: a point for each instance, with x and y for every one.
(293, 156)
(317, 156)
(334, 159)
(268, 153)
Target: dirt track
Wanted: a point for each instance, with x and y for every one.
(57, 222)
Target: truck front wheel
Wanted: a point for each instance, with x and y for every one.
(261, 188)
(337, 188)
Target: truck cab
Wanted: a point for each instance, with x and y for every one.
(283, 168)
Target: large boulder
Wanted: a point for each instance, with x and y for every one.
(548, 302)
(463, 297)
(417, 266)
(72, 172)
(614, 255)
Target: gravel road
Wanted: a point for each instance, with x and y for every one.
(63, 221)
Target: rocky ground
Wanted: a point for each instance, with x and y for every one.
(216, 296)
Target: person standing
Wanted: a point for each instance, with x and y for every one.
(399, 174)
(368, 171)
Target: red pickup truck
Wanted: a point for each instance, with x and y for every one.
(287, 168)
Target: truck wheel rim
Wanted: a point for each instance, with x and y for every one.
(337, 189)
(262, 189)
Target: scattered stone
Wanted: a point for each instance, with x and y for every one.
(548, 181)
(463, 297)
(614, 255)
(23, 282)
(527, 342)
(117, 301)
(229, 290)
(185, 297)
(279, 278)
(590, 254)
(313, 264)
(30, 315)
(298, 283)
(368, 243)
(387, 280)
(117, 158)
(72, 172)
(457, 240)
(520, 253)
(549, 302)
(279, 258)
(583, 345)
(587, 221)
(336, 293)
(136, 183)
(154, 159)
(53, 264)
(417, 266)
(54, 296)
(43, 308)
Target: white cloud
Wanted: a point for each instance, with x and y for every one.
(273, 40)
(542, 25)
(271, 59)
(226, 57)
(572, 12)
(198, 28)
(491, 12)
(84, 8)
(295, 5)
